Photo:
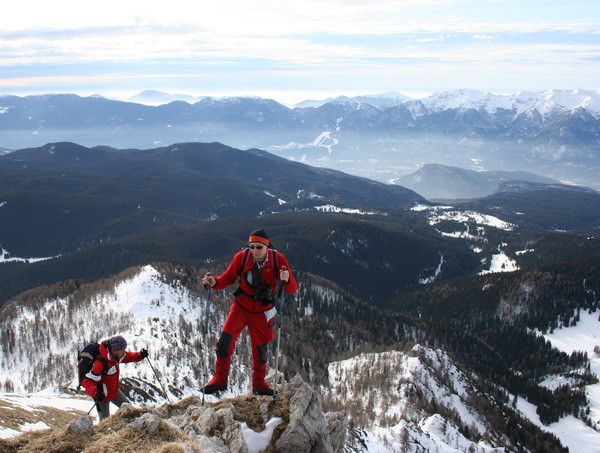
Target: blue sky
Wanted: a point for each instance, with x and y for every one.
(296, 50)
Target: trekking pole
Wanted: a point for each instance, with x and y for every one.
(280, 297)
(97, 406)
(161, 384)
(205, 340)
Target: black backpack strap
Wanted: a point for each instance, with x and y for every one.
(245, 258)
(104, 364)
(275, 266)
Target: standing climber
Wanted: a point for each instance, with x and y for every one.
(260, 268)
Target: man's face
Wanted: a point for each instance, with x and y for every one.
(259, 251)
(118, 354)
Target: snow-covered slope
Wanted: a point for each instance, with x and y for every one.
(585, 337)
(399, 390)
(414, 399)
(149, 312)
(420, 401)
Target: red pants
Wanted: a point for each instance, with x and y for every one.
(261, 334)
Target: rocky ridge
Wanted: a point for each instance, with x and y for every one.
(294, 421)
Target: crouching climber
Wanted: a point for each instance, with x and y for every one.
(102, 380)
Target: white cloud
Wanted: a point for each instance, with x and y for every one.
(383, 42)
(274, 17)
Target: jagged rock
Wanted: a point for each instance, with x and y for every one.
(308, 429)
(211, 444)
(337, 426)
(264, 412)
(206, 421)
(232, 434)
(126, 407)
(198, 422)
(148, 423)
(82, 425)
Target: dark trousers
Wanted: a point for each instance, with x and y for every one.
(104, 407)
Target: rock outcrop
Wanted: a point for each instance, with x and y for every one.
(302, 427)
(292, 421)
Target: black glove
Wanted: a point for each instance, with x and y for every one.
(143, 353)
(99, 395)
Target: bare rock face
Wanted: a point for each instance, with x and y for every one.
(307, 429)
(337, 425)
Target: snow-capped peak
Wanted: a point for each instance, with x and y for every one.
(542, 101)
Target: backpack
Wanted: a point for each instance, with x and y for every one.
(86, 358)
(248, 256)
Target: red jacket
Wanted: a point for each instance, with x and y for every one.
(269, 276)
(109, 380)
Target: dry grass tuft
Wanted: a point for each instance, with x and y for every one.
(55, 440)
(128, 440)
(248, 409)
(110, 436)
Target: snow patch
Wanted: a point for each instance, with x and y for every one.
(332, 208)
(279, 200)
(438, 214)
(34, 426)
(258, 442)
(5, 257)
(302, 193)
(523, 252)
(501, 263)
(438, 271)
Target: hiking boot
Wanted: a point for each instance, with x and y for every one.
(212, 388)
(264, 392)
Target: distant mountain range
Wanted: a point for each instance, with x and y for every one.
(153, 97)
(441, 182)
(554, 134)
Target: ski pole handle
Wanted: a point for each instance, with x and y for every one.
(280, 289)
(207, 285)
